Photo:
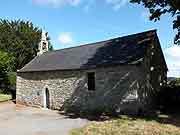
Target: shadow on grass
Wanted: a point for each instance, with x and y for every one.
(163, 118)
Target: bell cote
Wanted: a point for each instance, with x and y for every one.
(43, 45)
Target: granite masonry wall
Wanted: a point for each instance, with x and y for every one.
(117, 89)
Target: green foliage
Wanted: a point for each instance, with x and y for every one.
(8, 84)
(168, 99)
(6, 65)
(76, 131)
(4, 97)
(157, 8)
(174, 83)
(19, 39)
(6, 62)
(11, 80)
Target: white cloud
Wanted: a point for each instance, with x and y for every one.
(174, 52)
(172, 55)
(57, 3)
(65, 38)
(117, 4)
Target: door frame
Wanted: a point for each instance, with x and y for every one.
(46, 94)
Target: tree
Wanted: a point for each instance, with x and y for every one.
(157, 8)
(19, 39)
(6, 65)
(6, 62)
(174, 83)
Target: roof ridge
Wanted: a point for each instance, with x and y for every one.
(87, 44)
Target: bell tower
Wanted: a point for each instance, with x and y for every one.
(43, 45)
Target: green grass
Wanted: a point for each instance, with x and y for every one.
(163, 125)
(77, 131)
(4, 97)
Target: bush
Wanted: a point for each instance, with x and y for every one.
(12, 84)
(9, 84)
(168, 98)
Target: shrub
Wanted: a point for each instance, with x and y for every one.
(168, 98)
(9, 84)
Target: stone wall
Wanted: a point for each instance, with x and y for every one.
(156, 72)
(117, 89)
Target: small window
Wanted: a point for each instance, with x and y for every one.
(91, 81)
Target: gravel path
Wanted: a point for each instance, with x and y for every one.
(20, 120)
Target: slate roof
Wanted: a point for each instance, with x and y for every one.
(122, 50)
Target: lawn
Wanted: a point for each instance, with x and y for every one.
(4, 97)
(161, 125)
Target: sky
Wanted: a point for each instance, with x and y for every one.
(75, 22)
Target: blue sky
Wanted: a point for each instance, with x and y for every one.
(74, 22)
